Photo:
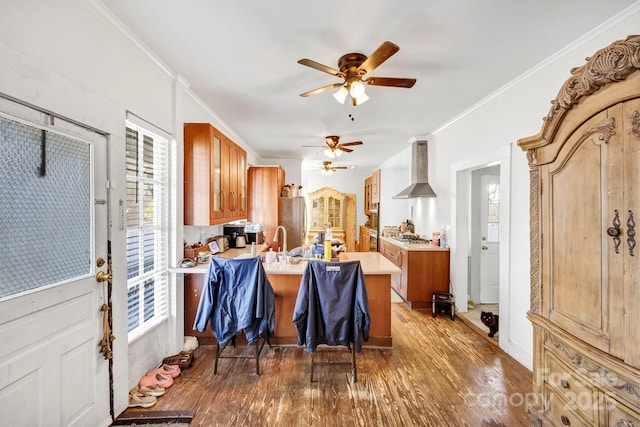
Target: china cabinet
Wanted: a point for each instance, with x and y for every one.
(327, 205)
(584, 200)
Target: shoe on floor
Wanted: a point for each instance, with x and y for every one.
(183, 360)
(167, 370)
(149, 391)
(139, 399)
(156, 379)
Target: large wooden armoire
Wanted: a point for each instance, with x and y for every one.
(585, 266)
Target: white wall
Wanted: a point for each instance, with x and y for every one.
(513, 112)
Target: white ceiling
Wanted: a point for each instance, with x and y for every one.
(240, 57)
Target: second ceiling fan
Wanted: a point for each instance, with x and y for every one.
(334, 148)
(353, 67)
(329, 169)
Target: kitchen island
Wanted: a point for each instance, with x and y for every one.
(285, 280)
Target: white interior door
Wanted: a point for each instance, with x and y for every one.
(53, 220)
(490, 239)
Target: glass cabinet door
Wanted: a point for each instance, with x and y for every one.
(216, 179)
(317, 213)
(334, 212)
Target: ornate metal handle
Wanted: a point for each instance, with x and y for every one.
(631, 233)
(614, 231)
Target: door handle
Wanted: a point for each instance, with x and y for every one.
(101, 276)
(614, 231)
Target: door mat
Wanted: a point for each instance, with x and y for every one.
(156, 418)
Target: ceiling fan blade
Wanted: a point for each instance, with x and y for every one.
(346, 150)
(321, 89)
(346, 144)
(382, 53)
(340, 167)
(390, 81)
(320, 67)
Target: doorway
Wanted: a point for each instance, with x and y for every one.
(481, 217)
(54, 227)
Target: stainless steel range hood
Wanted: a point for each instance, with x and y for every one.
(419, 173)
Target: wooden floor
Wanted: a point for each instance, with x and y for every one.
(439, 373)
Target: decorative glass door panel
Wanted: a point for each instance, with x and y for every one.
(216, 181)
(335, 212)
(317, 213)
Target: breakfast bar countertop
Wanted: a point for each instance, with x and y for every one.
(371, 262)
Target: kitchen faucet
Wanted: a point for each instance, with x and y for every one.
(284, 238)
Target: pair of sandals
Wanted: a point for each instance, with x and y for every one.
(183, 360)
(144, 396)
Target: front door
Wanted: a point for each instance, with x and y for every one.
(490, 239)
(53, 223)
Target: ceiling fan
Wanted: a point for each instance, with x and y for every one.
(334, 148)
(328, 169)
(353, 67)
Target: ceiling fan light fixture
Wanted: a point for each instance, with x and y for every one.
(326, 172)
(361, 99)
(341, 94)
(332, 154)
(356, 90)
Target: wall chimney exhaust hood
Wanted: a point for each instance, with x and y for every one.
(419, 173)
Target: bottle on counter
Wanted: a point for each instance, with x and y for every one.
(327, 243)
(435, 238)
(443, 237)
(253, 249)
(271, 256)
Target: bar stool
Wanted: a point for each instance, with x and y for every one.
(332, 309)
(443, 302)
(237, 297)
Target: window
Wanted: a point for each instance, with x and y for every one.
(147, 229)
(493, 213)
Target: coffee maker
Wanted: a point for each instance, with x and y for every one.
(237, 235)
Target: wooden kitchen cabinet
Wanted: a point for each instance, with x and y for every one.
(265, 185)
(423, 272)
(585, 299)
(367, 195)
(193, 286)
(364, 239)
(215, 183)
(375, 186)
(235, 192)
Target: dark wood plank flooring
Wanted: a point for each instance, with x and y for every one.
(439, 373)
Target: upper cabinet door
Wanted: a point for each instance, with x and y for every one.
(216, 211)
(242, 183)
(375, 186)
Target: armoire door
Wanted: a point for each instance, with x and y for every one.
(591, 196)
(574, 200)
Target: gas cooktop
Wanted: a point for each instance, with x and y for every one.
(411, 239)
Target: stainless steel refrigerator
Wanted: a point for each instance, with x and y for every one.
(293, 218)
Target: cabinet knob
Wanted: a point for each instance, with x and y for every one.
(564, 383)
(565, 420)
